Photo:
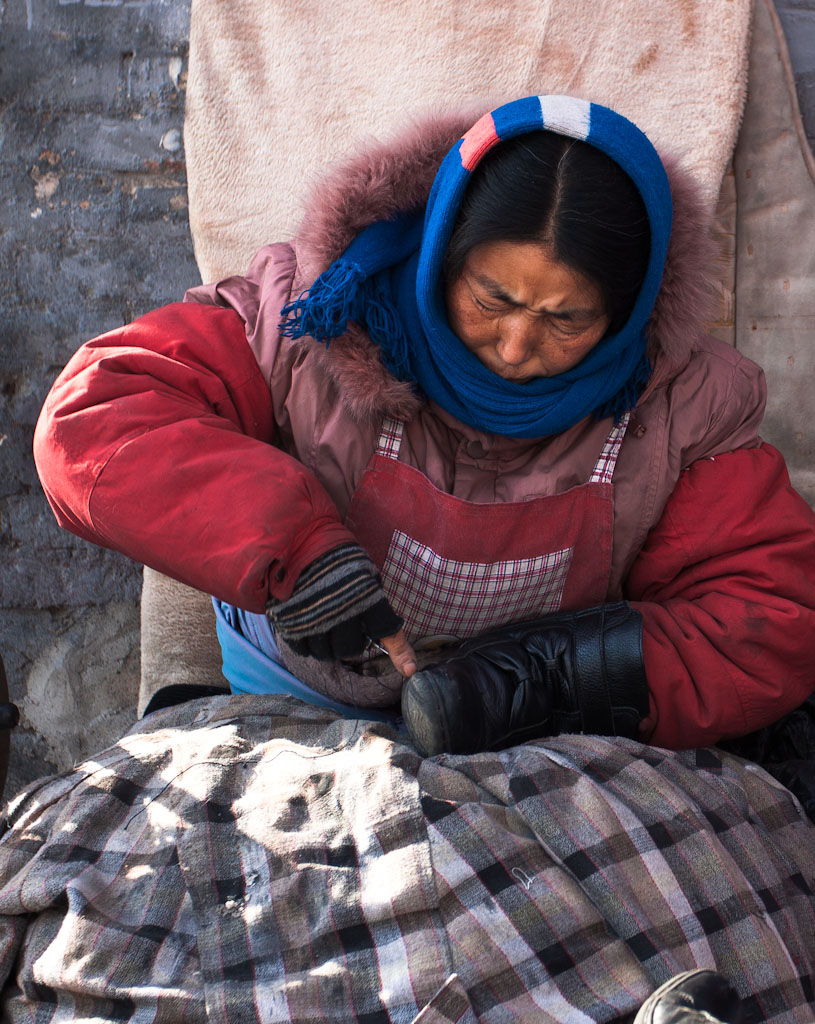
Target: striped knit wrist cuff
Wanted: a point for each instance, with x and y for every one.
(339, 585)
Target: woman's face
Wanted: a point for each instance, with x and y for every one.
(523, 314)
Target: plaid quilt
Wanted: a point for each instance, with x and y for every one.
(243, 859)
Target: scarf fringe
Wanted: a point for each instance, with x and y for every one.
(384, 326)
(343, 293)
(324, 309)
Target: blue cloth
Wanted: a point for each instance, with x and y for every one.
(388, 280)
(252, 663)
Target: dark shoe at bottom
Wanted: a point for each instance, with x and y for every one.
(694, 997)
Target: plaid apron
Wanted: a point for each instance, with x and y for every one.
(455, 568)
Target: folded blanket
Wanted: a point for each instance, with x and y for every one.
(251, 858)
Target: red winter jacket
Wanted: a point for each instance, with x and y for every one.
(198, 441)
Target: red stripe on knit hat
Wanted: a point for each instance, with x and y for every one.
(475, 143)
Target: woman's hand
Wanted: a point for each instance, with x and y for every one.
(338, 608)
(400, 652)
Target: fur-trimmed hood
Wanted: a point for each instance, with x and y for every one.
(389, 178)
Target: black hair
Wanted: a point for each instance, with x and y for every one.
(567, 196)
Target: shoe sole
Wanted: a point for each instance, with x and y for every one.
(420, 695)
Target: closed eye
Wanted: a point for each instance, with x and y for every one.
(567, 323)
(484, 306)
(563, 323)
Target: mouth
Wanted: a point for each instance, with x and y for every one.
(516, 378)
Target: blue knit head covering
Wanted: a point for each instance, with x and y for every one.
(389, 280)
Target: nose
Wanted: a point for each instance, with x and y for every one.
(517, 341)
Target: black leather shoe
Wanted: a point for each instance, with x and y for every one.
(571, 672)
(695, 997)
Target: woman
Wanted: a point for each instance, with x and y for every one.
(516, 419)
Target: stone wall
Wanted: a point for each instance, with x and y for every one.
(93, 232)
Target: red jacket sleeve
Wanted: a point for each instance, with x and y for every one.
(156, 441)
(726, 587)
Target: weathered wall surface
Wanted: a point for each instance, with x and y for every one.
(93, 232)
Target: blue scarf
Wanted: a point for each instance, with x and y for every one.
(388, 280)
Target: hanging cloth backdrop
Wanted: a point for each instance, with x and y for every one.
(277, 92)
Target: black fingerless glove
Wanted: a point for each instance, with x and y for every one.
(337, 606)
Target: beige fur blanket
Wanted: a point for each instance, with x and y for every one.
(278, 91)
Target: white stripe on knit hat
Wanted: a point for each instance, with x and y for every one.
(566, 114)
